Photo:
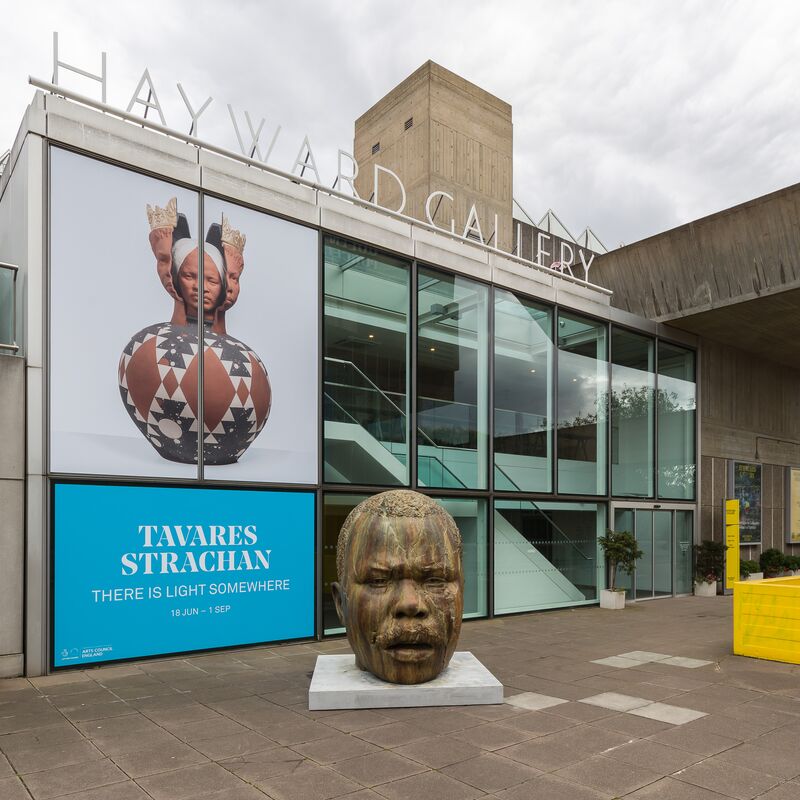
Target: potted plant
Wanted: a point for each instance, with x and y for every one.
(793, 564)
(750, 571)
(772, 562)
(621, 552)
(709, 557)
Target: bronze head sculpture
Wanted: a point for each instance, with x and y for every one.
(401, 587)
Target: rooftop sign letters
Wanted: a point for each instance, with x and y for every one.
(256, 141)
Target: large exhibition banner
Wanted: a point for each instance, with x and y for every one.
(144, 570)
(747, 490)
(137, 316)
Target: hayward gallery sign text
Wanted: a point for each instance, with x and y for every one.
(249, 138)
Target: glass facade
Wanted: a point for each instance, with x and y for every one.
(665, 537)
(633, 388)
(470, 516)
(677, 395)
(365, 392)
(523, 394)
(523, 419)
(582, 405)
(452, 381)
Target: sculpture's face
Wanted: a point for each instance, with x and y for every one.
(233, 286)
(402, 596)
(188, 281)
(234, 261)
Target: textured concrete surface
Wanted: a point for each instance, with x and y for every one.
(236, 725)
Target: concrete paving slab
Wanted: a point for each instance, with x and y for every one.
(687, 663)
(616, 702)
(533, 701)
(618, 662)
(644, 656)
(662, 712)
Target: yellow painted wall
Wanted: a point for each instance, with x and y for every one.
(766, 619)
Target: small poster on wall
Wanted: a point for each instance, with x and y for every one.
(793, 530)
(747, 490)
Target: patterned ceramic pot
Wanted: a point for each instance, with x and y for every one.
(158, 377)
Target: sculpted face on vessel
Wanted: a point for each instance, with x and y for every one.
(401, 586)
(159, 369)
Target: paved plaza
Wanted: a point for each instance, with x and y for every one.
(643, 703)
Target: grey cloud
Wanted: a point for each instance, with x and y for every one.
(630, 118)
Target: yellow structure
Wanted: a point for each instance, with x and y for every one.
(732, 540)
(766, 619)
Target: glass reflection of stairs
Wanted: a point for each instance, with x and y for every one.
(365, 435)
(365, 442)
(524, 578)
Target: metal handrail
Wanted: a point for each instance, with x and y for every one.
(379, 391)
(434, 458)
(549, 519)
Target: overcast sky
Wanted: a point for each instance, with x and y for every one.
(630, 117)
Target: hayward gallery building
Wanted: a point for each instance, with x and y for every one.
(159, 497)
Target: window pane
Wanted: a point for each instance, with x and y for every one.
(644, 565)
(623, 521)
(470, 517)
(545, 554)
(523, 357)
(366, 354)
(684, 535)
(452, 382)
(7, 305)
(676, 421)
(632, 413)
(335, 510)
(582, 401)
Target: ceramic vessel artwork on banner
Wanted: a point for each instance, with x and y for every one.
(159, 367)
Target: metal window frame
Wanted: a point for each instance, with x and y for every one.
(13, 345)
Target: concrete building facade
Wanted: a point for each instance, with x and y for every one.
(732, 279)
(441, 133)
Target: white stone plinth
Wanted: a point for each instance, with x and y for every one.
(338, 683)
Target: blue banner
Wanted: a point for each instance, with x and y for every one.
(142, 571)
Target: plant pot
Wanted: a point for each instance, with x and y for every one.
(755, 576)
(704, 589)
(613, 600)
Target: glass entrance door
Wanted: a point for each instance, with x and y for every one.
(643, 576)
(665, 538)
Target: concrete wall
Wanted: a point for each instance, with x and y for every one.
(12, 513)
(750, 407)
(460, 142)
(715, 490)
(750, 411)
(13, 250)
(747, 251)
